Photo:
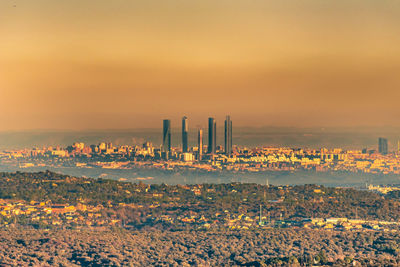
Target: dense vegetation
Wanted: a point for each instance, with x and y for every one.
(278, 247)
(289, 201)
(145, 238)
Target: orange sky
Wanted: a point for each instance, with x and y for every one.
(72, 64)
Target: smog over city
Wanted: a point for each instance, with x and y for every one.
(199, 133)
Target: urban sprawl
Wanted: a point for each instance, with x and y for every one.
(207, 158)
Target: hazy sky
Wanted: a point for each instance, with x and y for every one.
(78, 64)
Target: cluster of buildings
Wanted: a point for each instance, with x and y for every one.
(51, 214)
(107, 156)
(343, 224)
(249, 220)
(46, 214)
(210, 157)
(382, 189)
(167, 208)
(241, 220)
(212, 139)
(337, 224)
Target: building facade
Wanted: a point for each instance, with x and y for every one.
(185, 129)
(212, 136)
(166, 145)
(228, 136)
(383, 145)
(200, 144)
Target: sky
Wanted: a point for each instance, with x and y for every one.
(122, 64)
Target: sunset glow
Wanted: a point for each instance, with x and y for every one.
(127, 64)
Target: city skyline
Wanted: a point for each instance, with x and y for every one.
(199, 133)
(382, 146)
(212, 136)
(228, 143)
(106, 155)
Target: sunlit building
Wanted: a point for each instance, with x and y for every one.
(200, 144)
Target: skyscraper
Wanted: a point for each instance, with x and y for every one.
(212, 135)
(228, 136)
(398, 147)
(200, 144)
(383, 145)
(166, 145)
(185, 128)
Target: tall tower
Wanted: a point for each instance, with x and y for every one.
(185, 129)
(212, 135)
(398, 147)
(166, 145)
(228, 136)
(383, 145)
(200, 144)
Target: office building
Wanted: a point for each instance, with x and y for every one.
(200, 144)
(185, 128)
(228, 136)
(187, 157)
(383, 145)
(212, 136)
(166, 145)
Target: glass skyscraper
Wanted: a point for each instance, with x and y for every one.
(166, 145)
(185, 129)
(228, 136)
(212, 135)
